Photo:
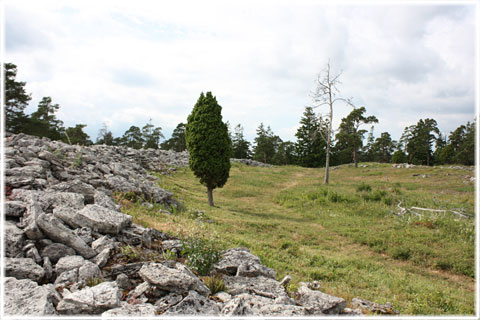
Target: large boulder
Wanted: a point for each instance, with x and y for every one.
(23, 268)
(58, 232)
(27, 298)
(194, 304)
(96, 218)
(260, 286)
(76, 186)
(239, 261)
(178, 279)
(91, 300)
(317, 302)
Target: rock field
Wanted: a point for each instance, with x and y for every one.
(64, 236)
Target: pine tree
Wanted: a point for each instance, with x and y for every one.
(151, 135)
(44, 123)
(209, 144)
(350, 136)
(177, 141)
(420, 141)
(76, 135)
(310, 147)
(266, 144)
(383, 148)
(241, 147)
(16, 99)
(132, 138)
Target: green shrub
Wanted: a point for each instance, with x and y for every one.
(443, 265)
(201, 254)
(131, 254)
(169, 255)
(401, 253)
(364, 187)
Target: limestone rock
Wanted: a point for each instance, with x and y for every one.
(69, 263)
(132, 310)
(102, 258)
(194, 304)
(23, 268)
(374, 307)
(29, 221)
(245, 305)
(66, 278)
(14, 239)
(91, 300)
(76, 186)
(55, 251)
(95, 217)
(88, 270)
(58, 232)
(101, 199)
(123, 282)
(171, 279)
(102, 243)
(260, 286)
(27, 298)
(318, 302)
(168, 301)
(239, 261)
(14, 209)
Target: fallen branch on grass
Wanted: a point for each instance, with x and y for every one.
(411, 211)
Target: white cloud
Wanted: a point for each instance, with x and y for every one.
(122, 62)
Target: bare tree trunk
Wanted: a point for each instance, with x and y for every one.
(329, 134)
(264, 157)
(210, 196)
(355, 158)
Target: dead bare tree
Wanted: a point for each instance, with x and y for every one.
(327, 93)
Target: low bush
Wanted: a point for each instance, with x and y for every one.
(201, 254)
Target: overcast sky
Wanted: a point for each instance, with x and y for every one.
(124, 62)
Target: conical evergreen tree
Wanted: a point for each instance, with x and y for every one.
(310, 147)
(209, 144)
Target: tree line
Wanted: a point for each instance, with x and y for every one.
(421, 143)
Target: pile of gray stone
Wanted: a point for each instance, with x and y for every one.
(252, 163)
(65, 241)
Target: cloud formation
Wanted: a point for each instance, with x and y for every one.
(123, 63)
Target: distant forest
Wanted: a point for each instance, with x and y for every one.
(421, 143)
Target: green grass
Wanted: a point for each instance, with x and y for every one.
(343, 234)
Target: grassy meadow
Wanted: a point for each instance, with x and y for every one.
(344, 234)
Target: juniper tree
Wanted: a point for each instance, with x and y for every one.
(209, 144)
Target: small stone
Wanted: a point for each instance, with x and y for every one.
(123, 282)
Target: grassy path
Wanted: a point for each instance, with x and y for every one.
(354, 247)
